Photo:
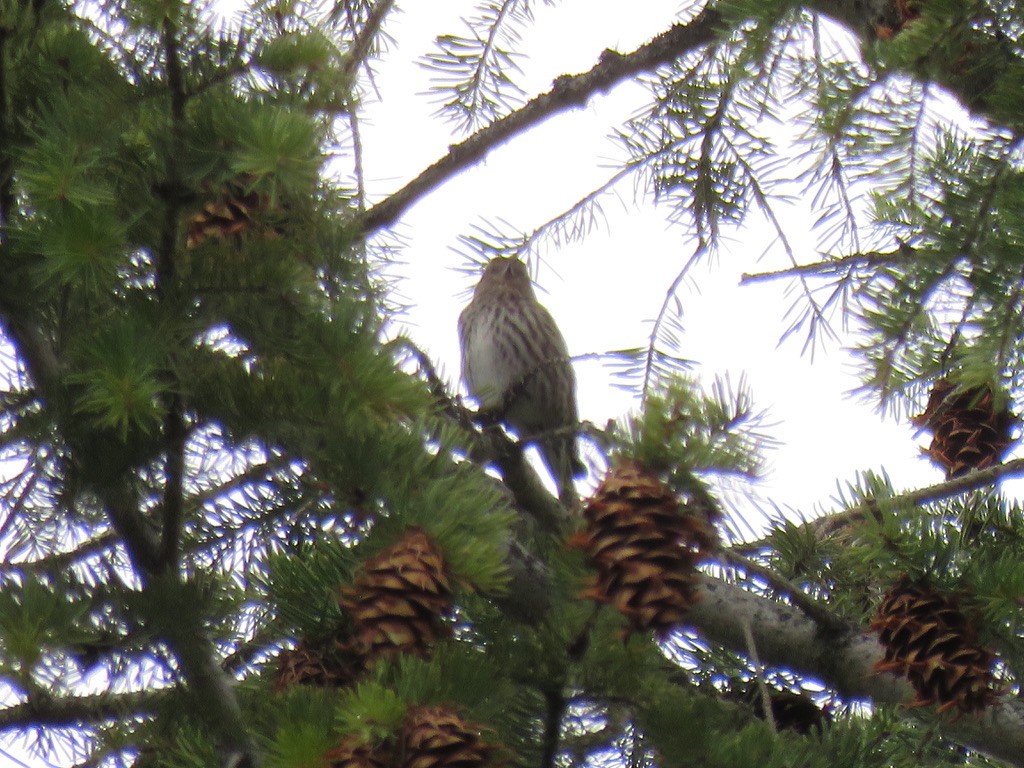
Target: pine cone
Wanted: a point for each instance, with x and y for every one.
(891, 16)
(353, 753)
(398, 601)
(790, 710)
(435, 737)
(968, 432)
(230, 213)
(329, 664)
(930, 641)
(645, 546)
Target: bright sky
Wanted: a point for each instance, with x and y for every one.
(605, 292)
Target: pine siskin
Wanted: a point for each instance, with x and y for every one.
(516, 364)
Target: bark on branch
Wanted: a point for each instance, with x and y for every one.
(785, 637)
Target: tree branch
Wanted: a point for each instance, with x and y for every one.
(175, 431)
(785, 637)
(62, 560)
(568, 91)
(820, 268)
(80, 710)
(360, 49)
(841, 657)
(828, 525)
(972, 481)
(170, 610)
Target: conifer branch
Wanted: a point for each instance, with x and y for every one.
(567, 92)
(35, 348)
(63, 560)
(827, 525)
(122, 508)
(6, 176)
(80, 710)
(586, 204)
(363, 42)
(843, 659)
(156, 562)
(788, 639)
(829, 266)
(175, 431)
(571, 91)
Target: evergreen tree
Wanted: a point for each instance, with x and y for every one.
(242, 524)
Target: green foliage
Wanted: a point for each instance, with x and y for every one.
(32, 618)
(300, 728)
(682, 430)
(371, 711)
(304, 586)
(120, 372)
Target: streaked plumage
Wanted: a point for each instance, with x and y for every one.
(516, 364)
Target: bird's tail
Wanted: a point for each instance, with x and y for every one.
(562, 459)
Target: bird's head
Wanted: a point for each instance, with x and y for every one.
(504, 273)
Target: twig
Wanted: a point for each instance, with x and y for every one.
(762, 689)
(800, 599)
(831, 265)
(568, 91)
(652, 342)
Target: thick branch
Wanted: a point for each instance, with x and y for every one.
(122, 506)
(842, 658)
(172, 509)
(568, 91)
(173, 617)
(785, 637)
(522, 479)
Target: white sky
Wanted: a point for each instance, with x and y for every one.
(605, 291)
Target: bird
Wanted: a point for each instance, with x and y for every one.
(516, 364)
